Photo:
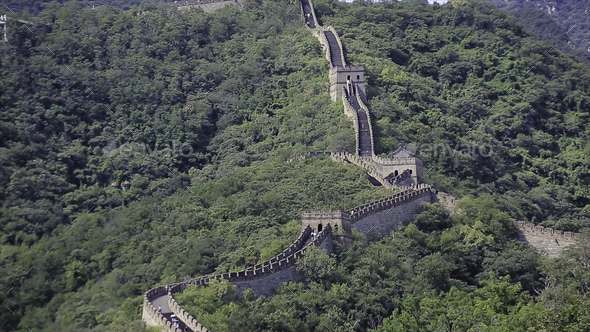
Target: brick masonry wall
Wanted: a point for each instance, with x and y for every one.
(547, 240)
(380, 224)
(268, 284)
(150, 314)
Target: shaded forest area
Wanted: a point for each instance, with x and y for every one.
(564, 23)
(145, 146)
(34, 7)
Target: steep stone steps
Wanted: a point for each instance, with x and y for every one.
(335, 52)
(308, 14)
(365, 147)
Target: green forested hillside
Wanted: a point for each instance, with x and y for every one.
(572, 33)
(34, 7)
(141, 147)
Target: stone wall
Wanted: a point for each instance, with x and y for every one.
(267, 285)
(151, 315)
(319, 34)
(380, 224)
(367, 164)
(400, 198)
(366, 110)
(263, 279)
(548, 241)
(184, 316)
(266, 277)
(373, 168)
(351, 114)
(547, 232)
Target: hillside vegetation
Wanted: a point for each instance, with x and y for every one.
(145, 146)
(564, 23)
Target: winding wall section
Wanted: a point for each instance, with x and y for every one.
(376, 219)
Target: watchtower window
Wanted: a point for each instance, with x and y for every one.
(319, 228)
(348, 77)
(395, 173)
(358, 77)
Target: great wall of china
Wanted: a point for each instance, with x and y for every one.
(402, 173)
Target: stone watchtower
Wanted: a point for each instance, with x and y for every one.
(405, 168)
(339, 77)
(339, 221)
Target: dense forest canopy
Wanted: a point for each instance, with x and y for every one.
(143, 146)
(34, 7)
(572, 18)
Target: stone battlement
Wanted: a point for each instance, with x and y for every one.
(547, 232)
(272, 273)
(397, 161)
(281, 262)
(401, 198)
(377, 171)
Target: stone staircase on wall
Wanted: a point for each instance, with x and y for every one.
(348, 84)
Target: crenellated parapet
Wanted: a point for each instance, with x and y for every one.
(151, 316)
(277, 270)
(398, 199)
(367, 164)
(546, 232)
(375, 170)
(184, 316)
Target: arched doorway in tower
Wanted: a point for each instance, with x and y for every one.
(320, 228)
(395, 173)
